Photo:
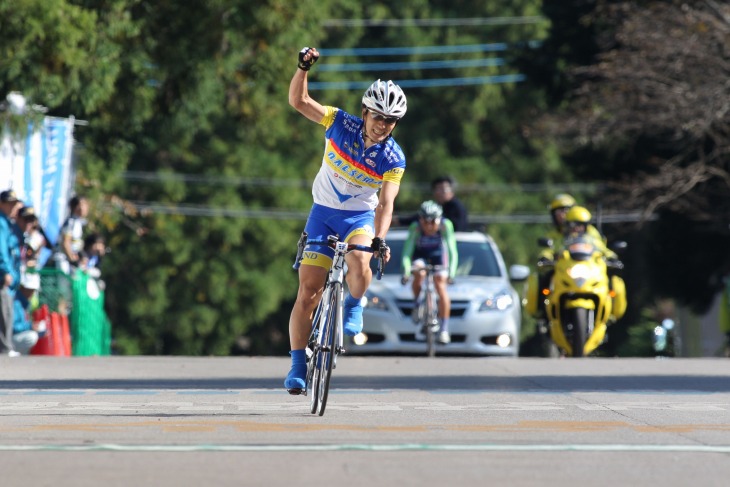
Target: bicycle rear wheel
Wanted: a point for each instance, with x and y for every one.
(429, 320)
(312, 387)
(314, 357)
(326, 359)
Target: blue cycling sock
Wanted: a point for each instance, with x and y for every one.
(351, 302)
(352, 320)
(298, 357)
(298, 371)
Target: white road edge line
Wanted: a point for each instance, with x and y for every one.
(366, 447)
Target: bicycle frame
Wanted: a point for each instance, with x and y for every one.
(326, 340)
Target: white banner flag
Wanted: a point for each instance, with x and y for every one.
(40, 171)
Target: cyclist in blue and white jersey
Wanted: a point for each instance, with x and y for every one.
(354, 194)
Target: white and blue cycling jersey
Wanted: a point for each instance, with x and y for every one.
(350, 175)
(345, 189)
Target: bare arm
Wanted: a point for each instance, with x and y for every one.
(299, 94)
(66, 247)
(384, 210)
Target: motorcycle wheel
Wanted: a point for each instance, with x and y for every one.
(578, 318)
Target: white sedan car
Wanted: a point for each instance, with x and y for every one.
(485, 308)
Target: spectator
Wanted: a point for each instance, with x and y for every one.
(10, 262)
(443, 192)
(70, 240)
(24, 336)
(31, 238)
(94, 251)
(442, 189)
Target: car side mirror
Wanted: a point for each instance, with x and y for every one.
(519, 272)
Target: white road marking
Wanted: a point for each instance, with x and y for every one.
(373, 447)
(18, 404)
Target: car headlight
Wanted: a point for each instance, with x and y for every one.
(500, 301)
(373, 301)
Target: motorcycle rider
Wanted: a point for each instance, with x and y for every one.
(585, 295)
(559, 208)
(577, 224)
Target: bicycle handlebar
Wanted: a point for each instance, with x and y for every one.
(331, 242)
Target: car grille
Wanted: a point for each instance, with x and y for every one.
(458, 308)
(411, 337)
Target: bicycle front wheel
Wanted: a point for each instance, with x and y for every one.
(328, 349)
(314, 351)
(312, 382)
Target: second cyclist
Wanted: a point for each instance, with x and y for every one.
(431, 241)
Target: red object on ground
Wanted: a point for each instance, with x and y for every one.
(57, 340)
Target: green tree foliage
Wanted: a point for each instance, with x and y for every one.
(176, 87)
(649, 112)
(195, 93)
(220, 111)
(475, 132)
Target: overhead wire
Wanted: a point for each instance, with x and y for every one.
(461, 21)
(297, 215)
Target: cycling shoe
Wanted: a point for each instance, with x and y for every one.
(295, 383)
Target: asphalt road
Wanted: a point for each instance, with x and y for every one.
(182, 421)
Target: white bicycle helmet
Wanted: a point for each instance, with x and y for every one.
(385, 97)
(430, 210)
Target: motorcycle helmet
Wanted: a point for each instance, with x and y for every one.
(430, 210)
(578, 214)
(385, 97)
(563, 200)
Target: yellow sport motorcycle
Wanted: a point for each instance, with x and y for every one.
(583, 297)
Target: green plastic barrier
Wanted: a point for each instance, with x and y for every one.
(55, 290)
(81, 299)
(90, 326)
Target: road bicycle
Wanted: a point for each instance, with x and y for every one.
(426, 314)
(325, 342)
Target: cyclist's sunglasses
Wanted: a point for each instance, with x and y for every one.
(378, 117)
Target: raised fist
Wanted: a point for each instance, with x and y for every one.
(307, 57)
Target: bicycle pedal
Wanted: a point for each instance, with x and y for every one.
(296, 391)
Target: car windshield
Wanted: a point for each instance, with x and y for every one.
(475, 259)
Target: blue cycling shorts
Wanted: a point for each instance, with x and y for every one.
(324, 221)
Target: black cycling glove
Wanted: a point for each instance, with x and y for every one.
(379, 245)
(305, 65)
